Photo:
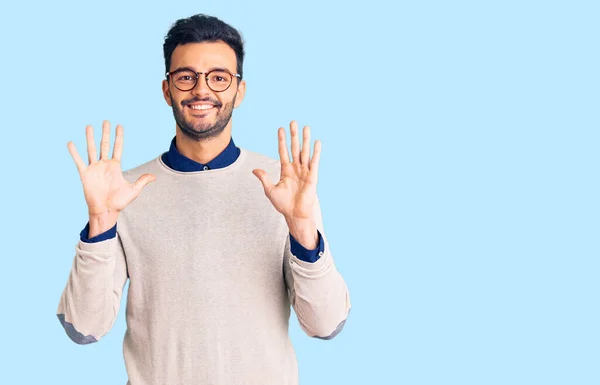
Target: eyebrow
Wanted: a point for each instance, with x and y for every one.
(194, 70)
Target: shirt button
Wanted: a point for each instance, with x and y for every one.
(320, 253)
(205, 168)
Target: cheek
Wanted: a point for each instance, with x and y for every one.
(175, 99)
(230, 99)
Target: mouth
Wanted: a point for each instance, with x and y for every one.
(201, 108)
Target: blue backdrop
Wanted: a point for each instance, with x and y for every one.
(458, 180)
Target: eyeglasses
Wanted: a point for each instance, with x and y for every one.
(217, 80)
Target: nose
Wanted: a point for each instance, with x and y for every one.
(201, 87)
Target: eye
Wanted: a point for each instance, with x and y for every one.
(218, 77)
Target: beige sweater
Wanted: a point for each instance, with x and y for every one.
(211, 281)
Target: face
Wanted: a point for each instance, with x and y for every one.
(201, 113)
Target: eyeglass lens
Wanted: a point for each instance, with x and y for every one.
(217, 80)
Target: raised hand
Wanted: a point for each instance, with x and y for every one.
(295, 194)
(106, 190)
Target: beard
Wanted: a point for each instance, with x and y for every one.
(202, 130)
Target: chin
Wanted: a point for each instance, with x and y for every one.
(200, 120)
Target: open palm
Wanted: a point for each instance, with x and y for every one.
(295, 194)
(106, 190)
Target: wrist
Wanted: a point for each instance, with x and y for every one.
(101, 223)
(304, 230)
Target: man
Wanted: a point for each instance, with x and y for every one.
(214, 255)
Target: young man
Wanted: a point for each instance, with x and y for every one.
(215, 253)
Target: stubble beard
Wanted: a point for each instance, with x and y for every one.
(201, 131)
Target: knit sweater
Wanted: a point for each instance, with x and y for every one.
(211, 280)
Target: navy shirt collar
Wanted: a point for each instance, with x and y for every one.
(178, 162)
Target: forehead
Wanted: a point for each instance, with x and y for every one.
(202, 56)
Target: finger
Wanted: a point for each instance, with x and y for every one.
(295, 143)
(142, 181)
(91, 145)
(283, 151)
(264, 179)
(105, 141)
(75, 155)
(305, 154)
(118, 149)
(314, 163)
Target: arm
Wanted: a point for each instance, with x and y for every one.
(317, 291)
(90, 301)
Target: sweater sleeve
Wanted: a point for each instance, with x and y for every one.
(90, 301)
(317, 291)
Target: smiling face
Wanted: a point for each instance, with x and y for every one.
(202, 113)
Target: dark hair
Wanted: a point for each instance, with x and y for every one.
(200, 28)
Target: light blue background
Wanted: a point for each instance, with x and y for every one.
(459, 175)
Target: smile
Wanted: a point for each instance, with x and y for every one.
(201, 106)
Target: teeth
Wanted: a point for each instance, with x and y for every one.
(202, 107)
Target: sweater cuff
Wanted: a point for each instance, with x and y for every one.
(303, 253)
(108, 234)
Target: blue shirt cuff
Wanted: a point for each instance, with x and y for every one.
(304, 254)
(111, 233)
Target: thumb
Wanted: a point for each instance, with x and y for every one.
(264, 179)
(142, 181)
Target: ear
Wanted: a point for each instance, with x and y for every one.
(167, 93)
(239, 95)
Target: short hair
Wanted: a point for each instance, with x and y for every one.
(200, 28)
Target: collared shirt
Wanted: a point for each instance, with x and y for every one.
(178, 162)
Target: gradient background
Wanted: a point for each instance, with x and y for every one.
(458, 180)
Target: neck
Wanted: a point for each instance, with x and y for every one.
(205, 150)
